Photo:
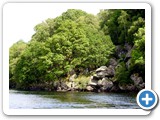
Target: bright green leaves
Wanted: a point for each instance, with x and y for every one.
(72, 14)
(42, 32)
(140, 39)
(70, 42)
(34, 65)
(138, 54)
(139, 23)
(80, 42)
(15, 51)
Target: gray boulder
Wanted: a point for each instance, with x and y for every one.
(106, 84)
(99, 82)
(136, 79)
(141, 86)
(89, 88)
(71, 79)
(103, 71)
(128, 87)
(139, 80)
(93, 81)
(111, 71)
(113, 62)
(102, 74)
(102, 68)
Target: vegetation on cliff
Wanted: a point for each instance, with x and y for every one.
(78, 43)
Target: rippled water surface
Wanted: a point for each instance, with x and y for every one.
(51, 100)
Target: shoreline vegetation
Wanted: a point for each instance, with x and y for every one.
(78, 51)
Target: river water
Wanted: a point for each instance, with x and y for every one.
(68, 100)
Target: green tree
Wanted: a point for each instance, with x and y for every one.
(121, 24)
(34, 65)
(72, 41)
(14, 53)
(138, 53)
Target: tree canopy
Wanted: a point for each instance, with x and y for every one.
(121, 25)
(72, 41)
(78, 41)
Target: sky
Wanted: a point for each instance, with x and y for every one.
(19, 19)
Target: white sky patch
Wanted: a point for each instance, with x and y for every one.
(19, 19)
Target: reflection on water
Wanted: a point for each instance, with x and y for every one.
(51, 100)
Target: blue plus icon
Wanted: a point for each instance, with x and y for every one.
(147, 99)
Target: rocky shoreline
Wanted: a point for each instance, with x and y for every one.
(103, 81)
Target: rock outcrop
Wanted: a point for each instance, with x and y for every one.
(138, 81)
(103, 80)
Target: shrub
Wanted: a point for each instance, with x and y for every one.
(82, 82)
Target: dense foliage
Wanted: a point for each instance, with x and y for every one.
(15, 52)
(121, 25)
(78, 41)
(72, 41)
(126, 27)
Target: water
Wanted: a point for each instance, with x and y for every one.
(68, 100)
